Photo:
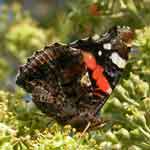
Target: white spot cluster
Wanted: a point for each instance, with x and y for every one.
(107, 46)
(118, 60)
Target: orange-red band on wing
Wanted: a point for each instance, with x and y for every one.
(89, 60)
(97, 73)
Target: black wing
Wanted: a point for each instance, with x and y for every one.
(114, 54)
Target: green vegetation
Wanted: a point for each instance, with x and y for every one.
(24, 127)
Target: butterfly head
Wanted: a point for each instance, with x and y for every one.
(126, 35)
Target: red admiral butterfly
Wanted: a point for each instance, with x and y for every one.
(72, 82)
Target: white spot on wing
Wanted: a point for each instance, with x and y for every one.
(74, 42)
(109, 91)
(85, 39)
(118, 60)
(85, 80)
(95, 37)
(105, 34)
(99, 53)
(107, 46)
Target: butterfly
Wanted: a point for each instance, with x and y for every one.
(71, 82)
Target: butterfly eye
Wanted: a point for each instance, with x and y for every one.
(99, 53)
